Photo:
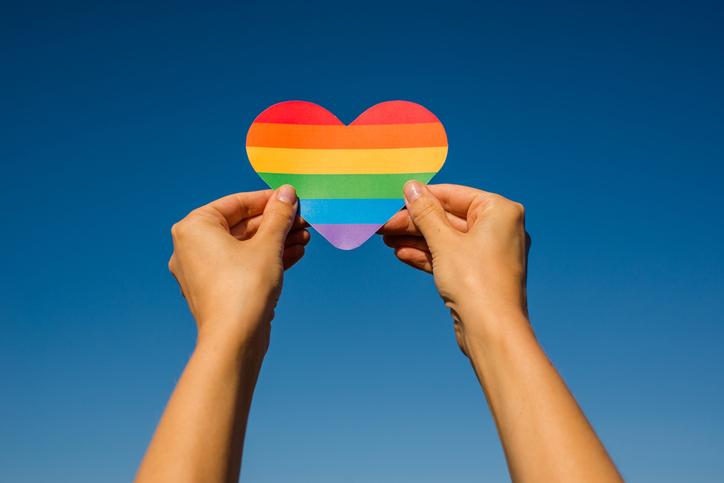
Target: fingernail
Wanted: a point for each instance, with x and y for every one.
(413, 190)
(287, 194)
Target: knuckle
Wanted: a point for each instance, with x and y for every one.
(518, 210)
(495, 201)
(508, 208)
(179, 229)
(502, 200)
(183, 228)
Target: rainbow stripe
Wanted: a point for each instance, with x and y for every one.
(349, 178)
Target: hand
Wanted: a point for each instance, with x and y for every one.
(475, 245)
(229, 258)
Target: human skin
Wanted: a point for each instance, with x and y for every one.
(475, 245)
(229, 258)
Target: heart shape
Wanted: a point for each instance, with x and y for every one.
(349, 179)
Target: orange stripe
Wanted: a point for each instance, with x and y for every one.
(372, 136)
(346, 161)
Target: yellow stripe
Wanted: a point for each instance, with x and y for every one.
(346, 161)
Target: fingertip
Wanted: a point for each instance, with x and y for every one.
(404, 252)
(389, 240)
(298, 237)
(415, 258)
(300, 222)
(426, 212)
(416, 242)
(279, 214)
(399, 222)
(292, 254)
(302, 238)
(413, 189)
(287, 194)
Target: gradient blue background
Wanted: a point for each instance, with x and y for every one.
(606, 121)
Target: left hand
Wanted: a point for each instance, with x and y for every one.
(229, 257)
(475, 245)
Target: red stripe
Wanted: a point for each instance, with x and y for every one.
(297, 112)
(302, 112)
(396, 112)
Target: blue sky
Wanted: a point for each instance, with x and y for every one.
(606, 121)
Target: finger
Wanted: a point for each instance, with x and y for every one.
(457, 199)
(292, 255)
(247, 228)
(401, 224)
(297, 237)
(399, 241)
(279, 215)
(415, 258)
(230, 210)
(427, 214)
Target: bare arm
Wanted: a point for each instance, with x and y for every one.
(475, 245)
(229, 258)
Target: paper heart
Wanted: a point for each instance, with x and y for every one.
(348, 178)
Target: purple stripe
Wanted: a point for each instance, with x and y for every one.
(347, 237)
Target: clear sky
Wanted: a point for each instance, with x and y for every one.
(606, 121)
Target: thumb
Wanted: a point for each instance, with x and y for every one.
(279, 215)
(426, 213)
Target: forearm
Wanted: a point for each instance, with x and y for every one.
(201, 433)
(545, 435)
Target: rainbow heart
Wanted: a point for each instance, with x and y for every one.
(348, 178)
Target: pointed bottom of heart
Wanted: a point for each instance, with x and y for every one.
(347, 237)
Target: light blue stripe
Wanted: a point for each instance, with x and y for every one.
(349, 211)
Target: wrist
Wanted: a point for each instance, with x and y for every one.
(227, 341)
(486, 327)
(235, 328)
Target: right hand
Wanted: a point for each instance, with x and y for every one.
(475, 245)
(229, 258)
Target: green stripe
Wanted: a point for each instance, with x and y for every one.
(345, 185)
